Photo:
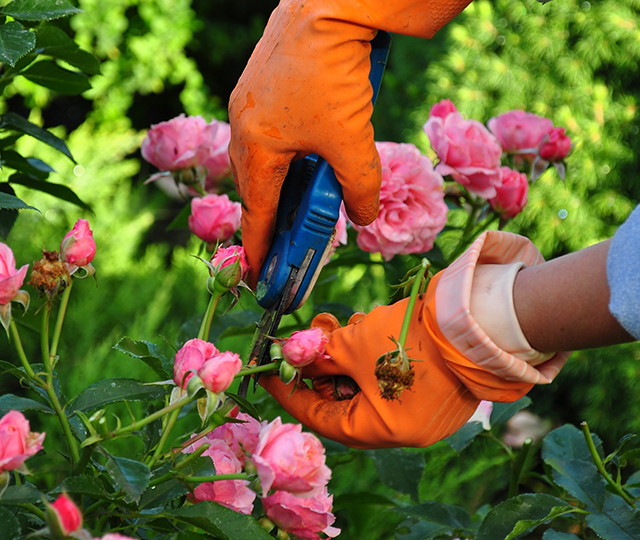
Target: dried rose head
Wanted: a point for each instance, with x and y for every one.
(394, 373)
(50, 276)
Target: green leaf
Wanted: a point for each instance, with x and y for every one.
(464, 436)
(50, 75)
(9, 402)
(445, 517)
(550, 534)
(109, 391)
(15, 161)
(7, 217)
(399, 469)
(15, 42)
(221, 522)
(147, 352)
(23, 494)
(245, 405)
(56, 190)
(12, 202)
(413, 529)
(84, 484)
(17, 122)
(54, 42)
(10, 529)
(520, 514)
(130, 476)
(181, 221)
(618, 521)
(364, 498)
(567, 443)
(39, 10)
(232, 322)
(581, 479)
(501, 412)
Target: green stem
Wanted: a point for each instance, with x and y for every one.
(64, 301)
(15, 335)
(215, 477)
(165, 435)
(184, 463)
(84, 460)
(205, 327)
(258, 369)
(600, 466)
(476, 205)
(415, 289)
(518, 467)
(33, 509)
(44, 339)
(151, 418)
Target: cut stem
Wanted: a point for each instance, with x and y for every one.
(415, 289)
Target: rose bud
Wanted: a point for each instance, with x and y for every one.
(228, 268)
(78, 247)
(305, 347)
(556, 146)
(214, 218)
(511, 196)
(17, 442)
(190, 358)
(218, 372)
(63, 517)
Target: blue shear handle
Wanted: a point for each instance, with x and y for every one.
(308, 212)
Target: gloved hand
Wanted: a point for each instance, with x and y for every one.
(456, 364)
(306, 90)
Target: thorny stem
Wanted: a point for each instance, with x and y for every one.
(600, 466)
(415, 289)
(64, 301)
(205, 327)
(15, 335)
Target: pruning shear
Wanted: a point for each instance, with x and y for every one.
(305, 228)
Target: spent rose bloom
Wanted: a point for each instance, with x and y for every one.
(78, 246)
(217, 372)
(191, 357)
(241, 437)
(17, 442)
(511, 195)
(302, 517)
(443, 109)
(63, 517)
(556, 146)
(288, 459)
(305, 347)
(214, 218)
(467, 152)
(519, 130)
(412, 207)
(234, 494)
(10, 279)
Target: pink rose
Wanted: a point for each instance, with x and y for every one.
(302, 517)
(17, 442)
(234, 494)
(191, 357)
(217, 373)
(241, 437)
(217, 162)
(443, 109)
(78, 247)
(63, 517)
(412, 207)
(467, 152)
(483, 414)
(518, 130)
(556, 146)
(10, 279)
(114, 536)
(231, 266)
(305, 347)
(290, 460)
(181, 143)
(214, 218)
(511, 196)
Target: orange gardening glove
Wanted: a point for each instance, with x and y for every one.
(306, 90)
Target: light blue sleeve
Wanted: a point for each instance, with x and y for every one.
(623, 274)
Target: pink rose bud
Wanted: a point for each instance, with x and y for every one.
(305, 347)
(556, 147)
(518, 130)
(10, 279)
(300, 516)
(443, 108)
(511, 196)
(63, 517)
(214, 218)
(467, 152)
(290, 460)
(412, 207)
(191, 357)
(78, 247)
(218, 372)
(17, 442)
(231, 266)
(234, 494)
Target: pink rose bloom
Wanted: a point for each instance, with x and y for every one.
(234, 494)
(217, 373)
(114, 536)
(511, 196)
(556, 146)
(467, 152)
(305, 347)
(191, 357)
(242, 438)
(290, 460)
(64, 516)
(10, 279)
(231, 265)
(443, 109)
(412, 207)
(483, 414)
(17, 442)
(217, 162)
(181, 143)
(518, 130)
(302, 517)
(214, 218)
(78, 247)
